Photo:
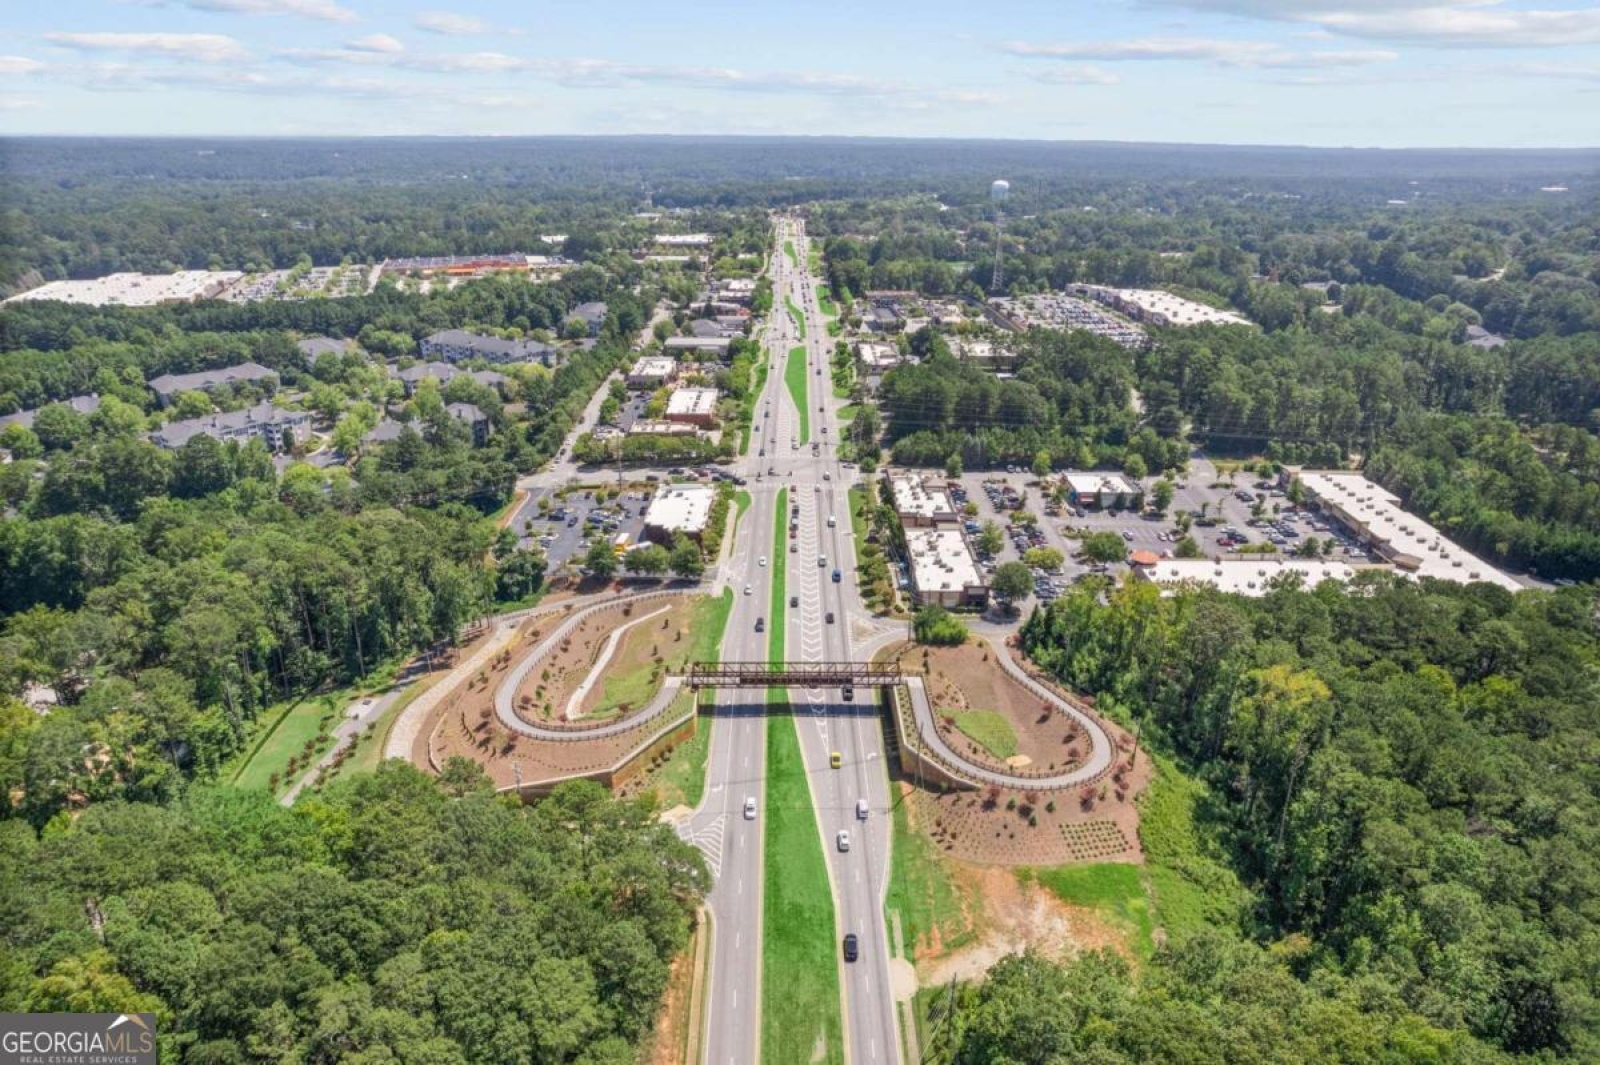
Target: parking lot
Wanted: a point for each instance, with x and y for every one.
(1227, 513)
(567, 529)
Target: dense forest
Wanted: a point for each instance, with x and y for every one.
(1403, 777)
(390, 918)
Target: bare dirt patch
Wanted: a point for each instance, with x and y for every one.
(1016, 917)
(464, 723)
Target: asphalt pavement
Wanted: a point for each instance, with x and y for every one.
(736, 764)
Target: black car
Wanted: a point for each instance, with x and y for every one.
(852, 948)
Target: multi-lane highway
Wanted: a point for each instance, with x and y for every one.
(818, 485)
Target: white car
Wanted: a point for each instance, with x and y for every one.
(831, 522)
(747, 589)
(763, 560)
(861, 809)
(844, 839)
(750, 808)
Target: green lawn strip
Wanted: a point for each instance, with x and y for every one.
(682, 780)
(788, 249)
(310, 719)
(814, 258)
(800, 978)
(859, 495)
(777, 624)
(796, 314)
(638, 686)
(989, 729)
(741, 503)
(1115, 890)
(921, 890)
(840, 392)
(799, 973)
(825, 302)
(794, 375)
(847, 414)
(1191, 884)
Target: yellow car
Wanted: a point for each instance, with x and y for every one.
(836, 759)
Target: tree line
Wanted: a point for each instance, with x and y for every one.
(1400, 779)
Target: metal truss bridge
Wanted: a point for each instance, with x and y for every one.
(791, 675)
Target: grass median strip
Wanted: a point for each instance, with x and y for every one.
(797, 315)
(788, 249)
(799, 976)
(794, 375)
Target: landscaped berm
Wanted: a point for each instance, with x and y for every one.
(984, 714)
(609, 667)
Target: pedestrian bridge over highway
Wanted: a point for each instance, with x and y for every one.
(792, 675)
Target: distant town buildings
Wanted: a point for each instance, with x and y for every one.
(84, 405)
(276, 427)
(679, 508)
(1101, 489)
(1154, 307)
(592, 315)
(696, 406)
(168, 386)
(717, 346)
(918, 503)
(943, 571)
(1250, 577)
(458, 345)
(1375, 516)
(985, 354)
(475, 420)
(136, 290)
(652, 372)
(1054, 310)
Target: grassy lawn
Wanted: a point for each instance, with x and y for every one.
(988, 729)
(788, 249)
(1116, 891)
(800, 979)
(632, 676)
(800, 976)
(922, 891)
(777, 624)
(682, 781)
(794, 375)
(307, 720)
(741, 503)
(858, 521)
(825, 302)
(797, 315)
(814, 258)
(847, 413)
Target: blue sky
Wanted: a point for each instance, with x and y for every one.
(1385, 73)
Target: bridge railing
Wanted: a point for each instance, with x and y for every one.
(791, 674)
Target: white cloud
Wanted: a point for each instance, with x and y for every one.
(606, 73)
(377, 42)
(1084, 75)
(451, 24)
(1197, 49)
(324, 10)
(1475, 28)
(19, 64)
(200, 47)
(1149, 48)
(1329, 59)
(1429, 23)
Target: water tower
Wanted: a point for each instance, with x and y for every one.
(999, 193)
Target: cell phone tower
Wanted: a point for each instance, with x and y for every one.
(999, 192)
